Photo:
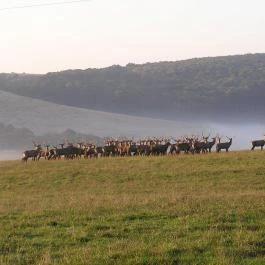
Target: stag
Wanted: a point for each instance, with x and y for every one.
(184, 145)
(52, 153)
(90, 151)
(225, 145)
(258, 143)
(209, 145)
(110, 149)
(44, 152)
(161, 149)
(144, 148)
(133, 151)
(69, 152)
(199, 146)
(100, 151)
(34, 154)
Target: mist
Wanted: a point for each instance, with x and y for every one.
(10, 155)
(242, 134)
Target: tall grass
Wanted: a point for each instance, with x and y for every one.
(206, 209)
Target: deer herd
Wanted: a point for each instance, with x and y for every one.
(125, 147)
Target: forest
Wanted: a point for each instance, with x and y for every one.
(218, 88)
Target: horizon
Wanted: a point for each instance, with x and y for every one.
(137, 64)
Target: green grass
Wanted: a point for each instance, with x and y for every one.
(202, 209)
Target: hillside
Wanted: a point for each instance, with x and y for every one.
(189, 210)
(43, 117)
(219, 89)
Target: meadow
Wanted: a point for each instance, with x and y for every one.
(201, 209)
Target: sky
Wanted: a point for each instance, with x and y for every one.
(100, 33)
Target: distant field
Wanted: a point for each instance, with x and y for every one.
(202, 209)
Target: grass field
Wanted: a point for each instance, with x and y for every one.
(202, 209)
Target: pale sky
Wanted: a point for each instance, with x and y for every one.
(101, 33)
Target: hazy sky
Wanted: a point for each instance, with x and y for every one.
(100, 33)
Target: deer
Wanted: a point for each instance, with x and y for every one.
(199, 145)
(258, 143)
(161, 149)
(44, 153)
(32, 154)
(225, 145)
(183, 145)
(209, 145)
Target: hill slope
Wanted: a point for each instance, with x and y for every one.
(188, 210)
(218, 88)
(43, 117)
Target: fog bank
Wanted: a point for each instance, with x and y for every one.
(242, 134)
(10, 155)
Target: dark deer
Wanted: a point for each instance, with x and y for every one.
(225, 146)
(209, 145)
(161, 149)
(258, 143)
(34, 154)
(184, 146)
(199, 146)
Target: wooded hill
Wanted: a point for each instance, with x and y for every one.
(17, 138)
(230, 87)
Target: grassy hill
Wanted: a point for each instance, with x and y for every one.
(206, 209)
(44, 117)
(219, 88)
